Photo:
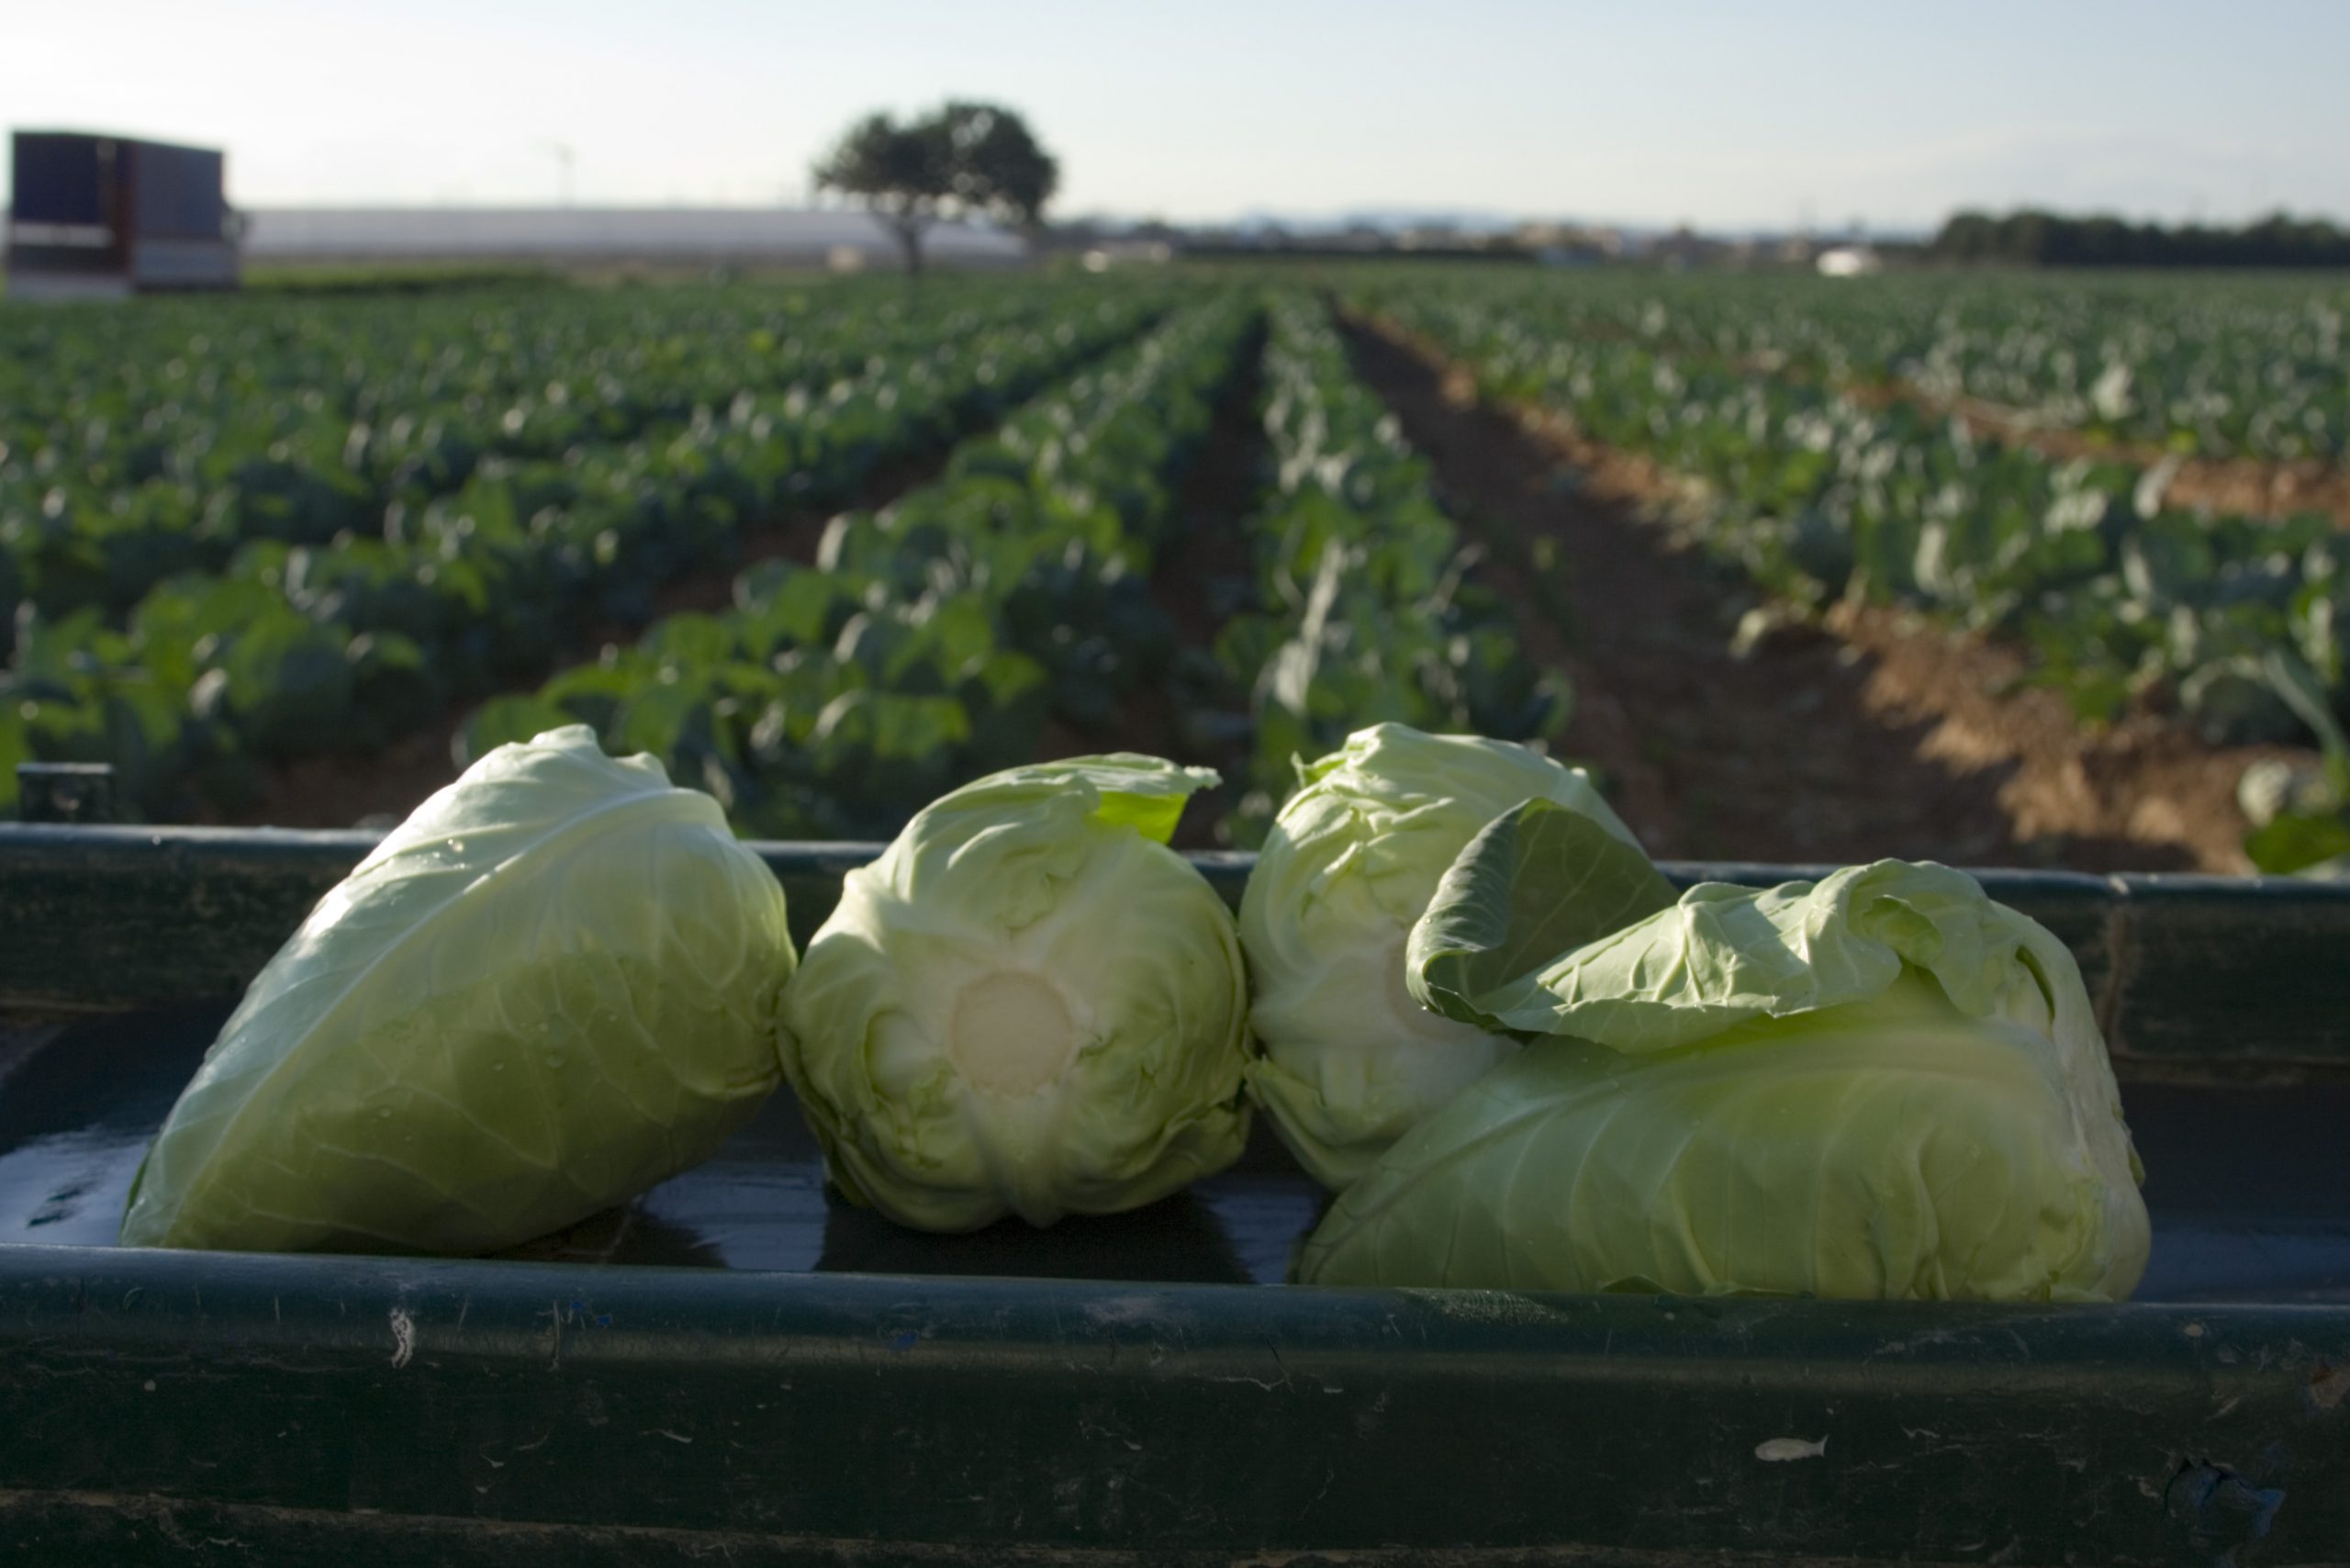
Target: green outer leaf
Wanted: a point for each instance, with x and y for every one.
(2306, 697)
(552, 986)
(2296, 843)
(1887, 1148)
(1539, 880)
(1146, 793)
(1883, 1083)
(1351, 1058)
(1725, 954)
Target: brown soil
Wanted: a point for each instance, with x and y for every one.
(1873, 734)
(1221, 486)
(355, 791)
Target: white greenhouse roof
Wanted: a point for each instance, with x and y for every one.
(604, 234)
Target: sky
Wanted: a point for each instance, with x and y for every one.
(1813, 113)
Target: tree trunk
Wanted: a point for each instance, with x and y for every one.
(908, 228)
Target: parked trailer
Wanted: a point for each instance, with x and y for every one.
(103, 217)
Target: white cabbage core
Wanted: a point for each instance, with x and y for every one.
(1011, 1032)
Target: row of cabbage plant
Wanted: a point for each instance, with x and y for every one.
(2237, 624)
(1369, 606)
(972, 624)
(302, 649)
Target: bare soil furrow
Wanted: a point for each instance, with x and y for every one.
(1873, 733)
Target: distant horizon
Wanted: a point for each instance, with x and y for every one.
(1392, 218)
(1722, 117)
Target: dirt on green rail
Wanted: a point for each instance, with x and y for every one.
(1872, 733)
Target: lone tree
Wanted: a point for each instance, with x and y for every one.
(962, 161)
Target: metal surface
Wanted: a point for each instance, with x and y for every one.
(851, 1414)
(74, 792)
(92, 214)
(739, 1368)
(2245, 1186)
(2194, 977)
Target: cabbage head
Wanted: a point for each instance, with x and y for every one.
(1028, 1005)
(551, 986)
(1880, 1085)
(1350, 1060)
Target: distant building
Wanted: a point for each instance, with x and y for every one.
(1848, 260)
(1571, 244)
(1797, 251)
(102, 217)
(1432, 237)
(1683, 247)
(843, 239)
(1104, 254)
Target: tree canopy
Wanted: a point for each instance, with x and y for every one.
(2045, 239)
(963, 160)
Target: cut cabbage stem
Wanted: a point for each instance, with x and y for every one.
(1012, 1034)
(1027, 1005)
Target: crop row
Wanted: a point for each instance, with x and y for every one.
(318, 426)
(1367, 608)
(2239, 624)
(1004, 610)
(1010, 604)
(2243, 366)
(293, 647)
(939, 637)
(1818, 495)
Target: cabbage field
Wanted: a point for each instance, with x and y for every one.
(1823, 489)
(831, 548)
(1820, 422)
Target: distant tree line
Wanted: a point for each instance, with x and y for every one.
(2031, 238)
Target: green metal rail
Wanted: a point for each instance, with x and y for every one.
(181, 1407)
